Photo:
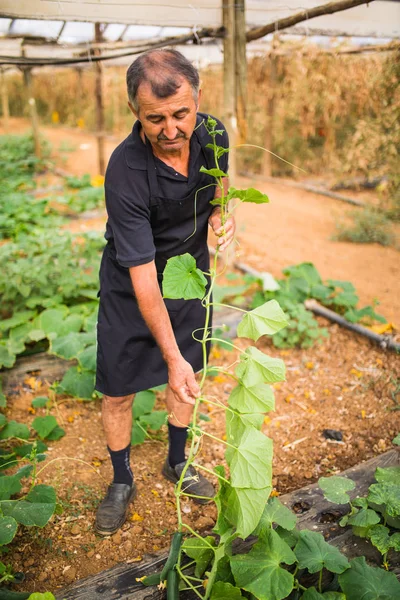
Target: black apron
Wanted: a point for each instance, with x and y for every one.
(128, 358)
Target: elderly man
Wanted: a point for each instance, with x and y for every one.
(143, 340)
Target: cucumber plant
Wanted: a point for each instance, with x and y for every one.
(270, 571)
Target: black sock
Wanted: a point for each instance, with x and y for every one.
(121, 465)
(177, 441)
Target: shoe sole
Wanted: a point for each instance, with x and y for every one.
(175, 479)
(121, 522)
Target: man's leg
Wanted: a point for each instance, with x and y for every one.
(179, 417)
(117, 423)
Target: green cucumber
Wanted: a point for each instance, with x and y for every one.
(154, 579)
(173, 554)
(172, 585)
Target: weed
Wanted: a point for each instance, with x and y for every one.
(369, 226)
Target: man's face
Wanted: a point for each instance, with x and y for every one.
(167, 122)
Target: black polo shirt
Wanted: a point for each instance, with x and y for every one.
(128, 228)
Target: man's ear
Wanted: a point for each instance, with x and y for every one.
(133, 110)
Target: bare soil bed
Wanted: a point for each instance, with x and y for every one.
(344, 384)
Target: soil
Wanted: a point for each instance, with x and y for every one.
(345, 384)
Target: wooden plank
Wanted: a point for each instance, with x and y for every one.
(119, 583)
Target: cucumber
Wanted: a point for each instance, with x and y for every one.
(172, 585)
(154, 579)
(6, 594)
(173, 554)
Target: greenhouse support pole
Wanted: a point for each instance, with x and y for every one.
(270, 110)
(4, 102)
(99, 101)
(28, 80)
(241, 68)
(229, 113)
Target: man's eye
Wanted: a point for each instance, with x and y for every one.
(155, 120)
(180, 116)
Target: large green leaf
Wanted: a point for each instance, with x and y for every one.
(258, 398)
(44, 425)
(267, 319)
(200, 551)
(249, 195)
(364, 518)
(260, 573)
(225, 591)
(379, 537)
(363, 582)
(143, 403)
(78, 383)
(51, 320)
(9, 485)
(138, 435)
(88, 358)
(8, 529)
(386, 495)
(222, 502)
(67, 346)
(40, 596)
(3, 420)
(243, 508)
(7, 357)
(36, 509)
(14, 430)
(18, 318)
(335, 488)
(256, 367)
(238, 424)
(213, 172)
(388, 474)
(155, 420)
(314, 553)
(182, 279)
(275, 512)
(313, 594)
(250, 462)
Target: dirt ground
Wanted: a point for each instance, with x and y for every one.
(345, 384)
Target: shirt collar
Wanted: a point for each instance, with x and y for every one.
(135, 149)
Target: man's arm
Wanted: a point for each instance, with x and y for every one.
(181, 377)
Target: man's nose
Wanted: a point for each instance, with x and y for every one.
(170, 130)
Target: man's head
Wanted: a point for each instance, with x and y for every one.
(163, 92)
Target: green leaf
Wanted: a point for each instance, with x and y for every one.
(138, 435)
(155, 420)
(143, 403)
(260, 573)
(3, 420)
(290, 537)
(368, 583)
(51, 320)
(379, 537)
(44, 425)
(238, 424)
(14, 430)
(78, 383)
(388, 474)
(386, 494)
(40, 401)
(312, 594)
(67, 346)
(314, 553)
(18, 318)
(182, 279)
(213, 172)
(26, 449)
(364, 518)
(335, 488)
(225, 591)
(7, 357)
(200, 551)
(250, 462)
(88, 358)
(249, 195)
(8, 529)
(243, 508)
(40, 596)
(256, 367)
(275, 512)
(258, 398)
(9, 485)
(396, 440)
(36, 510)
(57, 433)
(264, 320)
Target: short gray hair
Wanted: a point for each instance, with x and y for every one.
(164, 70)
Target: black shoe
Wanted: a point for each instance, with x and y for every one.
(113, 510)
(193, 483)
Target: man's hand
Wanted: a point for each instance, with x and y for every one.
(182, 381)
(224, 233)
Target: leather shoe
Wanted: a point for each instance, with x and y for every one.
(113, 510)
(194, 483)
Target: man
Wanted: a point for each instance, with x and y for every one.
(143, 341)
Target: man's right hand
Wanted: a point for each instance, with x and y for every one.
(182, 381)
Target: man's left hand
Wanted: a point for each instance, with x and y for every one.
(225, 233)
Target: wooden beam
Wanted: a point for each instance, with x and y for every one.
(99, 102)
(304, 15)
(229, 116)
(31, 102)
(241, 69)
(270, 108)
(4, 102)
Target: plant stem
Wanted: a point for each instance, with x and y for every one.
(219, 440)
(320, 582)
(213, 339)
(228, 306)
(186, 580)
(211, 472)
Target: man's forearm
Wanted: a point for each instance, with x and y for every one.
(153, 310)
